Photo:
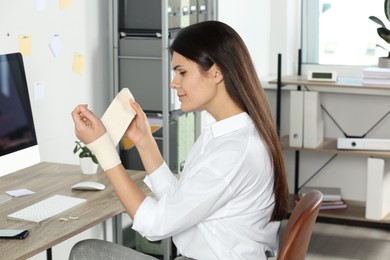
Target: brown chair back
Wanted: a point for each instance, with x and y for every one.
(299, 227)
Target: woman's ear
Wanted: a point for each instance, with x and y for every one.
(217, 74)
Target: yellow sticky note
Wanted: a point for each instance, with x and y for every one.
(25, 45)
(127, 143)
(65, 4)
(78, 63)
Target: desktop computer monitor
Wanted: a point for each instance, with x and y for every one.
(18, 142)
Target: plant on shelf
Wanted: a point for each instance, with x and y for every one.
(383, 31)
(85, 152)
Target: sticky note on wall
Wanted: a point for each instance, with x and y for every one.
(65, 4)
(25, 45)
(78, 63)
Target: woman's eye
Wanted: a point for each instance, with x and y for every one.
(182, 73)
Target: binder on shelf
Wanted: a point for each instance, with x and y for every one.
(378, 189)
(313, 124)
(363, 144)
(296, 118)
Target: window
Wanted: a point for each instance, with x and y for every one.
(339, 32)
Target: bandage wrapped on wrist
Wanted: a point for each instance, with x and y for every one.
(105, 152)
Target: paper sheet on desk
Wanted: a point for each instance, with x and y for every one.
(19, 192)
(4, 198)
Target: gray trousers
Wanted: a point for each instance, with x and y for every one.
(103, 250)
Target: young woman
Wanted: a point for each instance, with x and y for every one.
(232, 192)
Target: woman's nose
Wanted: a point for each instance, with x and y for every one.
(174, 83)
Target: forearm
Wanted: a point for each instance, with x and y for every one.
(150, 154)
(128, 192)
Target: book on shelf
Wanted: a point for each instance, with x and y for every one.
(328, 204)
(374, 81)
(339, 204)
(376, 76)
(375, 72)
(329, 193)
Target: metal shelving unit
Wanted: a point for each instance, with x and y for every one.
(152, 53)
(355, 213)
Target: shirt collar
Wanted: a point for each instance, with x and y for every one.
(230, 124)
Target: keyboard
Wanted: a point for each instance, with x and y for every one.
(46, 208)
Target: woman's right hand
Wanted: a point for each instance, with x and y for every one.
(139, 128)
(88, 127)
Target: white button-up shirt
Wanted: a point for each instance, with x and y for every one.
(220, 208)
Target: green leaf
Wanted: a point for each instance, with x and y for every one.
(85, 152)
(94, 159)
(387, 9)
(377, 20)
(384, 34)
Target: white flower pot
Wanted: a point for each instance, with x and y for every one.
(384, 62)
(88, 166)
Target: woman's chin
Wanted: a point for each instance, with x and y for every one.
(186, 109)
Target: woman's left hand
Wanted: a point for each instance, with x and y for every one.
(88, 127)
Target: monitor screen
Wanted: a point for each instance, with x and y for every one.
(17, 132)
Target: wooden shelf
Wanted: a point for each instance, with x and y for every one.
(354, 215)
(329, 145)
(355, 83)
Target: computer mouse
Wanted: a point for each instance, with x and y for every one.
(88, 185)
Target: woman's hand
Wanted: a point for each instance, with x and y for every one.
(139, 128)
(88, 127)
(140, 134)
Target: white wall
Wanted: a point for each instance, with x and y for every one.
(82, 28)
(252, 21)
(270, 27)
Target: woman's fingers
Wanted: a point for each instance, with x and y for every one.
(77, 114)
(88, 117)
(87, 126)
(137, 108)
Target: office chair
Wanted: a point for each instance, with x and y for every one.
(299, 227)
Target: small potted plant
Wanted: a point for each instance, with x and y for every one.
(88, 161)
(384, 33)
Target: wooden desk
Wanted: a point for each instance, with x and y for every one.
(47, 179)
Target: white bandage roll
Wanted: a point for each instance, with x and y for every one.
(119, 115)
(105, 152)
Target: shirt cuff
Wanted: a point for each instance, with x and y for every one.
(161, 180)
(144, 217)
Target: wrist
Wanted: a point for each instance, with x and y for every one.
(145, 143)
(150, 154)
(105, 152)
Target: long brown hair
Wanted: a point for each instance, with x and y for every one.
(213, 42)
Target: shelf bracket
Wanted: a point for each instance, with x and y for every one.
(318, 171)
